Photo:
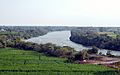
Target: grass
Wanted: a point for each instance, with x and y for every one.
(8, 33)
(20, 62)
(113, 36)
(110, 34)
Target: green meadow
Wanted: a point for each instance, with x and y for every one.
(21, 62)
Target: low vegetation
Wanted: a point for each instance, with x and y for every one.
(20, 62)
(110, 34)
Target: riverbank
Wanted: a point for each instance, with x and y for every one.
(103, 40)
(112, 62)
(61, 38)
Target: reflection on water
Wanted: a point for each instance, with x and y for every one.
(61, 38)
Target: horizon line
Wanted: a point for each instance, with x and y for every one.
(66, 25)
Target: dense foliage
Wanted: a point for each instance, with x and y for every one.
(48, 49)
(20, 62)
(79, 56)
(90, 38)
(26, 32)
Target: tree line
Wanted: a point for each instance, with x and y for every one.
(48, 49)
(90, 38)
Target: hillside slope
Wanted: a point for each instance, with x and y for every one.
(20, 62)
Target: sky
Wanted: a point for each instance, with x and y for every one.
(60, 12)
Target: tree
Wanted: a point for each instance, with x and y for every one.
(108, 53)
(3, 40)
(71, 59)
(17, 40)
(82, 55)
(94, 50)
(100, 53)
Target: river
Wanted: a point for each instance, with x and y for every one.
(61, 38)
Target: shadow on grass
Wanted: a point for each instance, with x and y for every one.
(107, 73)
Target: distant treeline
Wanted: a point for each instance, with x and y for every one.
(29, 31)
(103, 39)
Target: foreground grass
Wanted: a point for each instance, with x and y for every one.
(20, 62)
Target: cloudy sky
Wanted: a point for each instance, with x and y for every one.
(62, 12)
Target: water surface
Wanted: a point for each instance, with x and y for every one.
(61, 38)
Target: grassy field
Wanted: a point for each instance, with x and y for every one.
(110, 34)
(20, 62)
(8, 33)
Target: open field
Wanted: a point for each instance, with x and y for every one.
(20, 62)
(8, 33)
(110, 34)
